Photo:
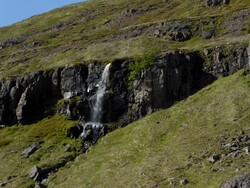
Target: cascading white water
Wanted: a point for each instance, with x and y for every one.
(96, 111)
(95, 126)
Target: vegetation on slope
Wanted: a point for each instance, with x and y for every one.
(159, 150)
(50, 133)
(171, 145)
(103, 30)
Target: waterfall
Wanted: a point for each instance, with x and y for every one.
(96, 112)
(94, 127)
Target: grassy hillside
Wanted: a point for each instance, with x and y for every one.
(171, 145)
(158, 150)
(50, 133)
(104, 30)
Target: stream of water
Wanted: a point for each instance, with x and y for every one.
(96, 112)
(94, 126)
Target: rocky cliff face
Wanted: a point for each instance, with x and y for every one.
(172, 77)
(23, 99)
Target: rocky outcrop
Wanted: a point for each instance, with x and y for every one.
(34, 97)
(180, 32)
(226, 60)
(7, 105)
(234, 24)
(73, 80)
(24, 99)
(171, 77)
(118, 96)
(212, 3)
(238, 22)
(240, 181)
(12, 42)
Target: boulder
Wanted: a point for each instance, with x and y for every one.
(92, 132)
(3, 184)
(39, 185)
(183, 182)
(75, 131)
(30, 150)
(213, 159)
(36, 173)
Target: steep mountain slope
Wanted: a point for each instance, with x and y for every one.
(161, 52)
(172, 145)
(106, 30)
(158, 150)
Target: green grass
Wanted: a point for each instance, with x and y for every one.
(4, 142)
(139, 64)
(147, 153)
(51, 132)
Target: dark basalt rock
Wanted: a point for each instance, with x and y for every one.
(240, 181)
(6, 106)
(72, 80)
(212, 3)
(37, 89)
(39, 185)
(24, 99)
(75, 131)
(224, 62)
(172, 77)
(117, 103)
(180, 33)
(92, 131)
